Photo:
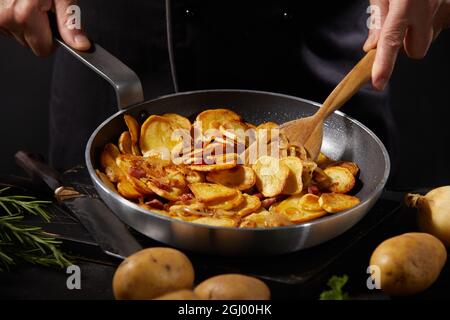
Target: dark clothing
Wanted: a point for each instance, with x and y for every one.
(291, 47)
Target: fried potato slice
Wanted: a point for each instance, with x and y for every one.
(156, 137)
(239, 177)
(220, 162)
(300, 208)
(322, 180)
(324, 161)
(169, 193)
(294, 183)
(127, 190)
(249, 205)
(271, 175)
(350, 166)
(104, 178)
(133, 128)
(308, 171)
(216, 222)
(181, 121)
(264, 219)
(226, 204)
(211, 192)
(342, 180)
(125, 144)
(336, 202)
(214, 118)
(108, 163)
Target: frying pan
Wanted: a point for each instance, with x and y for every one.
(344, 138)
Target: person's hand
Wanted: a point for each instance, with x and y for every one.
(411, 24)
(27, 22)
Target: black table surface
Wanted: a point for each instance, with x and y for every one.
(300, 275)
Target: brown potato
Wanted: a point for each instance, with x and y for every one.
(181, 121)
(409, 263)
(249, 205)
(321, 179)
(351, 166)
(216, 222)
(125, 144)
(156, 137)
(239, 177)
(226, 204)
(308, 170)
(232, 287)
(210, 192)
(127, 190)
(214, 118)
(133, 128)
(271, 176)
(294, 184)
(264, 219)
(179, 295)
(324, 161)
(342, 180)
(300, 208)
(108, 162)
(336, 202)
(151, 273)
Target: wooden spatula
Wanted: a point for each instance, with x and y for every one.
(308, 132)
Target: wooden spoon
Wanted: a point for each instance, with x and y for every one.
(308, 132)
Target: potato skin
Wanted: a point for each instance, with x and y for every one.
(179, 295)
(409, 263)
(152, 272)
(232, 287)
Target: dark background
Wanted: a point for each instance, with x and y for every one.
(420, 100)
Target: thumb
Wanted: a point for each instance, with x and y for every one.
(68, 16)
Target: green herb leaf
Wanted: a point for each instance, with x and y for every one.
(335, 293)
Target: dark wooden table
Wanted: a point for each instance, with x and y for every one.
(301, 275)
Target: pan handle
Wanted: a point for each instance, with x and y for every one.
(125, 81)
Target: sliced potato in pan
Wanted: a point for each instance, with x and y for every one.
(294, 184)
(134, 129)
(342, 180)
(336, 202)
(210, 192)
(324, 161)
(220, 162)
(321, 179)
(214, 118)
(264, 219)
(226, 204)
(300, 208)
(271, 175)
(239, 177)
(216, 221)
(181, 121)
(157, 137)
(350, 166)
(248, 206)
(127, 190)
(108, 162)
(125, 144)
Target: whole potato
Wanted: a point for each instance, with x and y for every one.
(152, 272)
(232, 287)
(179, 295)
(409, 263)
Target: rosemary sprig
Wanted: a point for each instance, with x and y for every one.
(19, 242)
(19, 204)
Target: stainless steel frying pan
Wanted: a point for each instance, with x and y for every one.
(344, 138)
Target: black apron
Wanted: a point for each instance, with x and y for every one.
(291, 47)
